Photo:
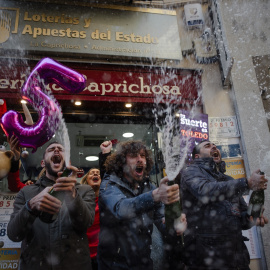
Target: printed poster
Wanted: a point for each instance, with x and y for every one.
(228, 147)
(9, 251)
(235, 168)
(223, 127)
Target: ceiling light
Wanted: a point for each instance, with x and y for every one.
(23, 101)
(128, 135)
(177, 115)
(78, 103)
(91, 158)
(128, 105)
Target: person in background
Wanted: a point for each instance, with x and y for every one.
(106, 148)
(93, 179)
(129, 205)
(216, 212)
(63, 243)
(14, 182)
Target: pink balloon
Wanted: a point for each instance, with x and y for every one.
(42, 101)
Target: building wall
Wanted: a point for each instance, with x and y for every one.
(247, 31)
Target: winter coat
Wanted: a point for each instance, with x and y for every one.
(126, 224)
(216, 215)
(61, 244)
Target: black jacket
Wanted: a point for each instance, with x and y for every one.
(216, 215)
(126, 224)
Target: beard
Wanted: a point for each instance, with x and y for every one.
(50, 170)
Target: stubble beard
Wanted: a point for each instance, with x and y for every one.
(50, 171)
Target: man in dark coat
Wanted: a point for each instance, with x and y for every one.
(61, 244)
(129, 205)
(216, 212)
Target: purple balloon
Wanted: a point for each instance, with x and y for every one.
(42, 101)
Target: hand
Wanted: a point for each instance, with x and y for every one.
(106, 147)
(14, 146)
(166, 194)
(180, 224)
(29, 182)
(45, 202)
(67, 183)
(260, 221)
(257, 181)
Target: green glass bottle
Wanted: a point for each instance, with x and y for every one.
(172, 212)
(256, 203)
(49, 218)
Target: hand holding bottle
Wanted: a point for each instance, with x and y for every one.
(261, 220)
(66, 181)
(257, 181)
(180, 224)
(166, 193)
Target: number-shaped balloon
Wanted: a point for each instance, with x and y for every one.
(43, 102)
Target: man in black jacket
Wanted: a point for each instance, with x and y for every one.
(216, 212)
(61, 244)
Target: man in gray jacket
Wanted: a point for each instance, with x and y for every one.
(53, 232)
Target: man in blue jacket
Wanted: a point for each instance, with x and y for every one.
(129, 205)
(216, 212)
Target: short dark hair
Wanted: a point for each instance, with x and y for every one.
(114, 162)
(197, 148)
(53, 142)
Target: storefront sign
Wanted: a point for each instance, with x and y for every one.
(116, 83)
(89, 30)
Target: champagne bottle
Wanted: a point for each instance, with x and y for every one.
(172, 213)
(49, 218)
(256, 203)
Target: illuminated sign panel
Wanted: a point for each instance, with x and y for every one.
(89, 30)
(193, 128)
(115, 83)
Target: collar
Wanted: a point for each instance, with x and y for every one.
(127, 185)
(210, 164)
(44, 181)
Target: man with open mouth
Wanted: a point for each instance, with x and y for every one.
(216, 212)
(63, 243)
(129, 205)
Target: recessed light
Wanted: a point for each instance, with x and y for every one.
(78, 103)
(128, 105)
(91, 158)
(128, 135)
(23, 101)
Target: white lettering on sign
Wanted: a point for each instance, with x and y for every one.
(193, 123)
(140, 87)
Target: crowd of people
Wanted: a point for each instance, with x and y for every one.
(106, 221)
